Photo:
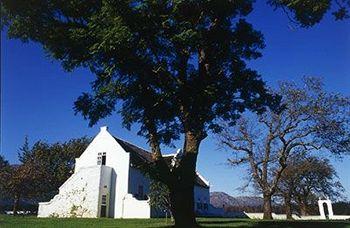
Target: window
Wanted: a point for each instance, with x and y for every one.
(101, 158)
(104, 200)
(199, 205)
(104, 159)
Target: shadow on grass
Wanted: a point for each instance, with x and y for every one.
(275, 224)
(233, 221)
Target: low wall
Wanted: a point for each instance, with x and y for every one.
(77, 197)
(134, 208)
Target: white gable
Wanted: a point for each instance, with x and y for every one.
(104, 142)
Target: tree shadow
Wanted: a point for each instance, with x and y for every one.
(221, 222)
(275, 224)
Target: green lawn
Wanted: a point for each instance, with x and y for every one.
(19, 222)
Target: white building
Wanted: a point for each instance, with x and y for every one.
(106, 183)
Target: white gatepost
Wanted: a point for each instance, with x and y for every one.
(329, 208)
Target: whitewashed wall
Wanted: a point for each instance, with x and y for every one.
(117, 159)
(134, 208)
(78, 196)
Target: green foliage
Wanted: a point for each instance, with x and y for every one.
(175, 65)
(44, 168)
(5, 169)
(159, 196)
(307, 178)
(56, 162)
(310, 12)
(19, 181)
(161, 58)
(54, 215)
(73, 211)
(24, 151)
(77, 211)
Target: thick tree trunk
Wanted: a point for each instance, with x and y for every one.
(288, 206)
(181, 193)
(183, 207)
(16, 204)
(267, 208)
(180, 178)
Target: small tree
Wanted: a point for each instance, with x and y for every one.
(160, 196)
(317, 179)
(304, 180)
(309, 119)
(20, 181)
(4, 173)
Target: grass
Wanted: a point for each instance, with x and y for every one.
(31, 221)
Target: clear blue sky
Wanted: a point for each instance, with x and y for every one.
(37, 95)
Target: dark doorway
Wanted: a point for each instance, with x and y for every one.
(103, 211)
(326, 212)
(103, 206)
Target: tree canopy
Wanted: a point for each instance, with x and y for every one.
(42, 170)
(309, 13)
(305, 179)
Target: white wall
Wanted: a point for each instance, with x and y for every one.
(78, 196)
(134, 208)
(117, 159)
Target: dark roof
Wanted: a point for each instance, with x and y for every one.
(139, 155)
(136, 152)
(200, 182)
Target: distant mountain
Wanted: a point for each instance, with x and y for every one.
(218, 199)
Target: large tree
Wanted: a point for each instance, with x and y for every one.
(177, 66)
(309, 119)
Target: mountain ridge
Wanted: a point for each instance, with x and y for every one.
(222, 199)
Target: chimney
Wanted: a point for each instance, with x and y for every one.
(103, 128)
